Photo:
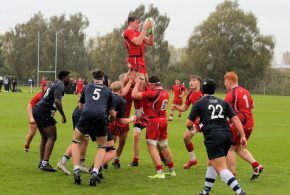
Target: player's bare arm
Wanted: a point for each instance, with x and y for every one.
(182, 108)
(59, 108)
(139, 40)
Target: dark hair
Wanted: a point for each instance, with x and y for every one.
(154, 80)
(132, 19)
(208, 86)
(63, 74)
(98, 75)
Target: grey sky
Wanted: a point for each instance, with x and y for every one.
(273, 15)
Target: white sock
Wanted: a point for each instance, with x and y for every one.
(191, 155)
(76, 167)
(230, 179)
(160, 171)
(44, 163)
(210, 177)
(95, 170)
(64, 159)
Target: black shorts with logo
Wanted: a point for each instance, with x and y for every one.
(42, 117)
(96, 125)
(218, 143)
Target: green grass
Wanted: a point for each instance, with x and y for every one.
(270, 144)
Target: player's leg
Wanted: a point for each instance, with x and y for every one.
(122, 141)
(136, 142)
(231, 159)
(171, 111)
(152, 137)
(188, 135)
(42, 146)
(61, 165)
(247, 156)
(110, 152)
(31, 133)
(168, 156)
(75, 151)
(210, 177)
(83, 151)
(101, 151)
(51, 135)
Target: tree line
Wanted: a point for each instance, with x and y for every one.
(229, 39)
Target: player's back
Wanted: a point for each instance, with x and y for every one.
(240, 100)
(213, 113)
(120, 105)
(97, 99)
(157, 103)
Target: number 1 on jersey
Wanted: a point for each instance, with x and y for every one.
(245, 97)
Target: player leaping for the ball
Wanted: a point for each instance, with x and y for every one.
(135, 41)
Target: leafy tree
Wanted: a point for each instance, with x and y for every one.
(229, 39)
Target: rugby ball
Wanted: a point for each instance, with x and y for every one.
(150, 30)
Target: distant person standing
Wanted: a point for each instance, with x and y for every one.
(14, 84)
(79, 86)
(1, 82)
(179, 91)
(6, 84)
(44, 120)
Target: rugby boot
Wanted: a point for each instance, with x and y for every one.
(201, 193)
(171, 173)
(189, 164)
(133, 164)
(84, 169)
(26, 148)
(242, 193)
(63, 168)
(157, 176)
(257, 171)
(48, 168)
(94, 179)
(116, 164)
(77, 177)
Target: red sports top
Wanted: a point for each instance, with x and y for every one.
(36, 98)
(242, 103)
(192, 97)
(43, 82)
(80, 86)
(177, 90)
(157, 103)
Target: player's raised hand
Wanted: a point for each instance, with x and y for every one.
(147, 25)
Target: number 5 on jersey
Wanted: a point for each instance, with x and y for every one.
(96, 94)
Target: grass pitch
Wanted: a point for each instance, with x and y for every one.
(269, 143)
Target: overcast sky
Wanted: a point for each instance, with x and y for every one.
(273, 15)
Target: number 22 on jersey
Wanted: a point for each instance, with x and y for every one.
(217, 108)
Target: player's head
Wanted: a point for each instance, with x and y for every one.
(46, 85)
(116, 86)
(64, 76)
(177, 82)
(208, 86)
(154, 81)
(230, 79)
(98, 75)
(194, 82)
(122, 77)
(134, 22)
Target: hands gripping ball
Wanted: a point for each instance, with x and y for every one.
(152, 28)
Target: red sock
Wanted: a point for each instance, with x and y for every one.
(135, 159)
(170, 165)
(189, 147)
(255, 165)
(159, 167)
